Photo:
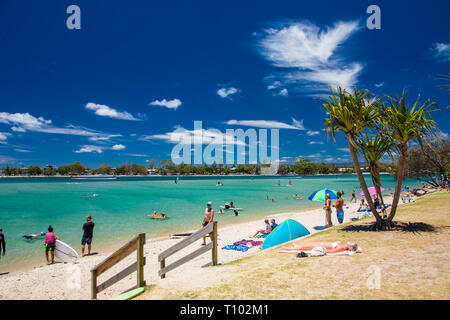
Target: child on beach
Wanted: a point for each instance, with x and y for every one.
(267, 230)
(50, 244)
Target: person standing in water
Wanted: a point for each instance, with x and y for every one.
(88, 234)
(339, 208)
(50, 244)
(209, 217)
(327, 209)
(2, 243)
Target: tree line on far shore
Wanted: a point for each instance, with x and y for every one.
(425, 163)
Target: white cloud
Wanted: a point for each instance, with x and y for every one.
(379, 85)
(118, 147)
(105, 137)
(98, 149)
(171, 104)
(296, 125)
(184, 136)
(22, 122)
(316, 142)
(105, 111)
(227, 92)
(312, 133)
(3, 137)
(311, 56)
(90, 149)
(22, 150)
(441, 51)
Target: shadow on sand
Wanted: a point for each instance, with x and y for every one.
(412, 227)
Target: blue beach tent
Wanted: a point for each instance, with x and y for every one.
(286, 231)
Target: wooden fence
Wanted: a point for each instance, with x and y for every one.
(210, 229)
(137, 243)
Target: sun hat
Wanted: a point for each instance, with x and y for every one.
(272, 220)
(209, 203)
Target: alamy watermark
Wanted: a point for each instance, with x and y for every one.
(234, 146)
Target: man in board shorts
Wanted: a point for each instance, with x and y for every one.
(209, 216)
(339, 207)
(88, 234)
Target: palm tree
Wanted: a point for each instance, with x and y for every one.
(404, 124)
(351, 113)
(373, 148)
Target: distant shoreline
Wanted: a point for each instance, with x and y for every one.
(188, 175)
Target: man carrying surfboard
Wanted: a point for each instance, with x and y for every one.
(50, 244)
(88, 233)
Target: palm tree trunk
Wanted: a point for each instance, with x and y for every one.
(375, 173)
(362, 182)
(400, 177)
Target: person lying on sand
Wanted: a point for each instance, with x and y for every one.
(267, 230)
(329, 247)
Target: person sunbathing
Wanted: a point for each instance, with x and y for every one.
(330, 247)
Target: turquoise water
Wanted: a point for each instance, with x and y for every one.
(121, 207)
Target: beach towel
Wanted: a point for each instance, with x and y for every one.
(249, 242)
(263, 235)
(236, 247)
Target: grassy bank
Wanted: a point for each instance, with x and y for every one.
(412, 262)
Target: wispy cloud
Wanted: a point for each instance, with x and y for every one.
(170, 104)
(316, 142)
(3, 137)
(203, 136)
(440, 51)
(105, 111)
(310, 56)
(23, 122)
(379, 85)
(296, 125)
(227, 92)
(312, 133)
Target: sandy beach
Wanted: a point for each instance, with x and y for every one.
(72, 281)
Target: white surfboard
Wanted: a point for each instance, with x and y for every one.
(64, 252)
(238, 209)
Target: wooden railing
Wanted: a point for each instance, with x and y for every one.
(137, 243)
(210, 229)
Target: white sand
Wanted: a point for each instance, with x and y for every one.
(72, 281)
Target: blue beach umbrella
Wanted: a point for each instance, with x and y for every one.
(319, 195)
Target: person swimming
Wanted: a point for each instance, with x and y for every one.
(32, 235)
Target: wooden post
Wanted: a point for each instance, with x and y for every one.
(162, 266)
(140, 260)
(94, 284)
(214, 240)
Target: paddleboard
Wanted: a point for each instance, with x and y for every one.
(238, 209)
(64, 252)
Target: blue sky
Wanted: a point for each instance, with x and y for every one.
(116, 89)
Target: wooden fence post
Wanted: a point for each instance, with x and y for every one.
(94, 284)
(162, 266)
(214, 248)
(140, 260)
